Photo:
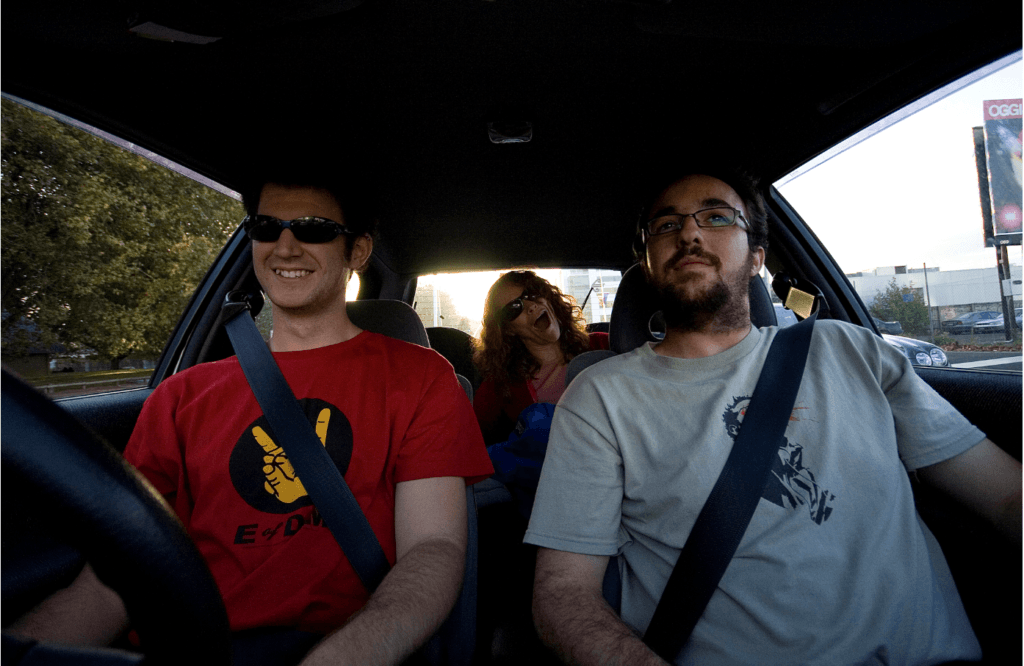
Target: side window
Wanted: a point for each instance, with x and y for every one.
(900, 207)
(101, 250)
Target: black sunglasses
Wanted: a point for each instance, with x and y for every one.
(310, 229)
(514, 308)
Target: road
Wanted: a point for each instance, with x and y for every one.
(986, 360)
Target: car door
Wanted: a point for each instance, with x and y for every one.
(865, 201)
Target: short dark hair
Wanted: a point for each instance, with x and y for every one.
(349, 191)
(743, 183)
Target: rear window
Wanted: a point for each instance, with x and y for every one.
(456, 300)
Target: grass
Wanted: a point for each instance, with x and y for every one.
(61, 378)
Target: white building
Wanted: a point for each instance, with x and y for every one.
(951, 292)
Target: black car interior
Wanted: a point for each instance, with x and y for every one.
(433, 103)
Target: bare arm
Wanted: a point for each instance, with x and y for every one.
(419, 592)
(573, 618)
(986, 480)
(87, 612)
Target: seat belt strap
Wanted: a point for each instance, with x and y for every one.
(731, 504)
(293, 432)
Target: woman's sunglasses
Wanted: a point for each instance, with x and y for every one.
(514, 308)
(267, 229)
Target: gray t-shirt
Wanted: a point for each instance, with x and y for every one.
(835, 567)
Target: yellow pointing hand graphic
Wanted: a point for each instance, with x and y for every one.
(282, 481)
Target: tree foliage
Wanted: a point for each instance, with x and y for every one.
(101, 247)
(890, 305)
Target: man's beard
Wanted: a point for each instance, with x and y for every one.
(721, 306)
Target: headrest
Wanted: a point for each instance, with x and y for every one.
(394, 319)
(636, 305)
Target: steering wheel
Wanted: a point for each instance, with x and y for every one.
(134, 541)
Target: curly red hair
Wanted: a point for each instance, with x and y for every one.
(501, 356)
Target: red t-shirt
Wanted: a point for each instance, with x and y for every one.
(387, 412)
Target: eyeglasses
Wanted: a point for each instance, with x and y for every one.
(267, 229)
(513, 309)
(706, 218)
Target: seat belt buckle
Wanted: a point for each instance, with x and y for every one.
(799, 296)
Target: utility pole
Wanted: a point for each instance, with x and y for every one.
(1003, 263)
(928, 297)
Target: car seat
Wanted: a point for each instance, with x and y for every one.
(457, 347)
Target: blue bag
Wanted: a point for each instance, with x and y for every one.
(517, 460)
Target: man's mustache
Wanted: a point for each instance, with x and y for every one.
(696, 251)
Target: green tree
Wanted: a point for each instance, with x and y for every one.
(101, 248)
(893, 305)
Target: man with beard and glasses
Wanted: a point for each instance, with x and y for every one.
(836, 566)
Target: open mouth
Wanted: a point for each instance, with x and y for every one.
(543, 321)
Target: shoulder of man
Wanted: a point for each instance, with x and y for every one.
(835, 332)
(411, 352)
(201, 376)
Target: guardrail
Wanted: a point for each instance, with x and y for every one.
(120, 382)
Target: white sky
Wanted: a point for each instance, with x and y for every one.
(906, 196)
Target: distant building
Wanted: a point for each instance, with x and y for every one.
(600, 285)
(946, 293)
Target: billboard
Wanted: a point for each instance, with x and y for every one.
(1003, 125)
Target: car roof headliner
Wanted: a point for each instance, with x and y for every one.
(614, 89)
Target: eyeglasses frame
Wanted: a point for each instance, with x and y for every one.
(646, 230)
(502, 314)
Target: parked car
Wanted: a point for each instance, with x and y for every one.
(918, 351)
(996, 325)
(504, 134)
(965, 323)
(891, 327)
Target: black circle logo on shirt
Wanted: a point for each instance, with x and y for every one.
(261, 472)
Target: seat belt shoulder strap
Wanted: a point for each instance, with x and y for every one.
(293, 432)
(721, 523)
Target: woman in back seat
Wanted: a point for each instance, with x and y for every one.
(531, 331)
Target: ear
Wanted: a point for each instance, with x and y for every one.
(362, 248)
(758, 262)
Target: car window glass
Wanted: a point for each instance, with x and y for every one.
(456, 300)
(901, 214)
(101, 251)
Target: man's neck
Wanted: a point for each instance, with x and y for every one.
(700, 344)
(298, 331)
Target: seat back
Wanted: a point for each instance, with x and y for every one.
(394, 319)
(457, 347)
